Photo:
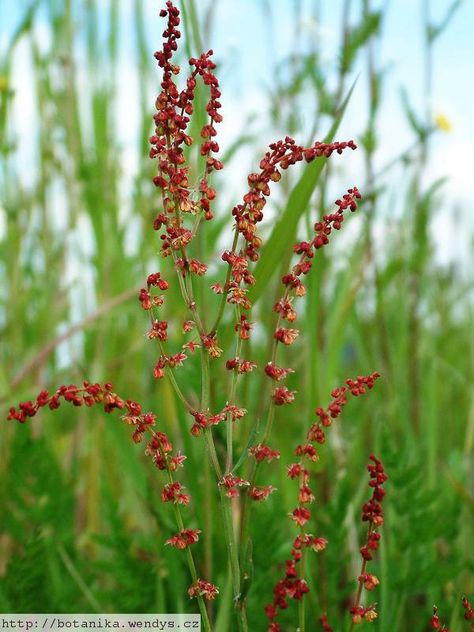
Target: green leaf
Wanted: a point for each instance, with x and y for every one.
(357, 37)
(416, 125)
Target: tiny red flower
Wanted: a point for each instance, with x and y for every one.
(301, 515)
(286, 336)
(202, 588)
(261, 493)
(184, 538)
(263, 453)
(281, 395)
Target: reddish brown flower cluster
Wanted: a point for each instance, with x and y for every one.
(261, 493)
(281, 155)
(231, 482)
(263, 452)
(240, 366)
(184, 538)
(294, 586)
(373, 514)
(159, 328)
(361, 613)
(247, 215)
(173, 493)
(327, 416)
(205, 420)
(159, 447)
(174, 109)
(294, 287)
(306, 249)
(87, 395)
(201, 588)
(146, 299)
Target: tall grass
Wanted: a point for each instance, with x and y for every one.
(81, 522)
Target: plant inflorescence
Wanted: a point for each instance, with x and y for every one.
(186, 206)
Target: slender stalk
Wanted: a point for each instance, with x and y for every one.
(192, 570)
(361, 581)
(189, 556)
(226, 504)
(226, 508)
(187, 294)
(301, 603)
(172, 378)
(246, 509)
(222, 305)
(233, 388)
(177, 390)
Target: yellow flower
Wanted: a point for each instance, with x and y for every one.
(443, 123)
(3, 84)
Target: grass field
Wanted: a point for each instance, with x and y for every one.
(82, 526)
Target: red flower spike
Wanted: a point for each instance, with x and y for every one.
(281, 155)
(288, 587)
(371, 513)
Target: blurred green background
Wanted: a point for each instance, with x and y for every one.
(81, 525)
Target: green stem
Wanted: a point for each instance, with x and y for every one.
(225, 501)
(178, 391)
(301, 603)
(246, 508)
(190, 560)
(224, 294)
(233, 388)
(361, 581)
(226, 504)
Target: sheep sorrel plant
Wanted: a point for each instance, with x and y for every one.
(185, 208)
(231, 438)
